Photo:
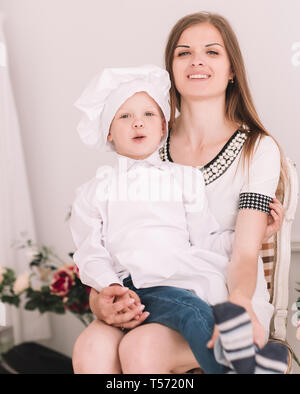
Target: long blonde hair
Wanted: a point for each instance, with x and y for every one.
(239, 103)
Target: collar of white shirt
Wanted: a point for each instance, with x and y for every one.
(152, 160)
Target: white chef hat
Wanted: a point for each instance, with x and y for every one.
(109, 90)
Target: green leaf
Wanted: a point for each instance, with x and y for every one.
(45, 290)
(31, 305)
(12, 300)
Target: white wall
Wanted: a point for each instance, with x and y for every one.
(55, 46)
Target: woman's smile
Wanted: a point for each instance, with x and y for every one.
(199, 77)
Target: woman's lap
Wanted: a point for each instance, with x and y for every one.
(155, 348)
(96, 349)
(183, 311)
(99, 343)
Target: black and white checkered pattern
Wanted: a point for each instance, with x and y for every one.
(255, 201)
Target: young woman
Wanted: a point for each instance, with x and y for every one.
(217, 130)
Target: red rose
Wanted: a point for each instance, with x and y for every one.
(78, 307)
(72, 268)
(62, 282)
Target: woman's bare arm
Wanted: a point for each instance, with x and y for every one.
(242, 269)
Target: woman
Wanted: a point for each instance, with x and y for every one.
(210, 91)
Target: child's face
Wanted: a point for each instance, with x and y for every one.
(137, 127)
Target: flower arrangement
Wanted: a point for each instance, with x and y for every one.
(50, 284)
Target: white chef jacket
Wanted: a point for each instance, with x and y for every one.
(149, 219)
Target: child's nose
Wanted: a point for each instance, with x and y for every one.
(138, 124)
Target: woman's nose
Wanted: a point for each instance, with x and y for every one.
(197, 62)
(138, 124)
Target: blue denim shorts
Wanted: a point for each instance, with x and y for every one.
(184, 312)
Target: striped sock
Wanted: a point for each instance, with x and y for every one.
(236, 336)
(272, 359)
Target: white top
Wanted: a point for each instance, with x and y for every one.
(166, 242)
(151, 219)
(229, 188)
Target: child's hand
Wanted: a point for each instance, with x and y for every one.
(131, 295)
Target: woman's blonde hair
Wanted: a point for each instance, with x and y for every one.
(239, 103)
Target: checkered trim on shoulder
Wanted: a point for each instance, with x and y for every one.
(256, 201)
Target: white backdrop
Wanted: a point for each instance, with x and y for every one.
(56, 46)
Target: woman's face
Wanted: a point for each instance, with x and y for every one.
(201, 66)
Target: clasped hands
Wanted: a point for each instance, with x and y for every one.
(118, 306)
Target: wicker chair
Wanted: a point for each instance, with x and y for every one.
(277, 263)
(276, 256)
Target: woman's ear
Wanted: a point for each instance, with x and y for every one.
(232, 74)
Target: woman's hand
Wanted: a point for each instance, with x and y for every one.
(259, 335)
(105, 308)
(275, 219)
(139, 317)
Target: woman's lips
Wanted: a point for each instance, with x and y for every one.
(198, 77)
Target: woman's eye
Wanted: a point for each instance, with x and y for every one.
(213, 52)
(183, 53)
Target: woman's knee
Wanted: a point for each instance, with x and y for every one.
(154, 348)
(136, 354)
(96, 349)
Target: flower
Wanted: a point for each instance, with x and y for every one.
(77, 307)
(2, 272)
(44, 273)
(51, 286)
(72, 268)
(22, 283)
(63, 280)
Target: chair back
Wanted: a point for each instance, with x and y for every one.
(276, 255)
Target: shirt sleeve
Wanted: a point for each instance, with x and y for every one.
(261, 183)
(93, 260)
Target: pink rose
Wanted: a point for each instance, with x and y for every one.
(62, 282)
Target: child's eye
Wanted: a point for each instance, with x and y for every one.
(212, 52)
(125, 116)
(149, 114)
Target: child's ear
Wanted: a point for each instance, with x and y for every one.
(109, 137)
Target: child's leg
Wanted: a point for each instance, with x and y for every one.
(186, 313)
(236, 336)
(271, 359)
